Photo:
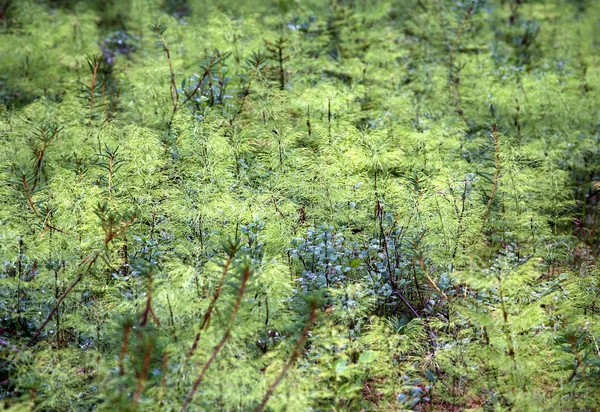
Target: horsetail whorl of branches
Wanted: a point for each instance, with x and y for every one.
(296, 205)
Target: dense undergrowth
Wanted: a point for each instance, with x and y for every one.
(299, 205)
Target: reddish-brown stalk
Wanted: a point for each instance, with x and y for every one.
(245, 276)
(211, 306)
(143, 372)
(124, 343)
(312, 317)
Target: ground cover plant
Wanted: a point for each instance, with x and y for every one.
(299, 205)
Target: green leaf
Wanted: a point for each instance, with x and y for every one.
(368, 356)
(340, 366)
(430, 376)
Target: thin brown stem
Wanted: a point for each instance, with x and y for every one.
(143, 372)
(39, 154)
(460, 214)
(245, 276)
(124, 343)
(424, 270)
(148, 310)
(199, 84)
(211, 306)
(509, 342)
(312, 317)
(171, 71)
(28, 195)
(580, 362)
(496, 173)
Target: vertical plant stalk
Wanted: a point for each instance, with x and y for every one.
(496, 173)
(281, 72)
(417, 241)
(95, 64)
(426, 273)
(167, 51)
(148, 311)
(171, 318)
(509, 341)
(454, 79)
(329, 119)
(442, 225)
(59, 335)
(88, 262)
(276, 53)
(85, 266)
(105, 104)
(160, 31)
(111, 172)
(517, 118)
(143, 373)
(40, 152)
(211, 306)
(384, 240)
(211, 91)
(30, 185)
(460, 215)
(124, 343)
(312, 317)
(580, 360)
(245, 276)
(147, 358)
(199, 84)
(253, 73)
(279, 149)
(308, 128)
(124, 269)
(163, 380)
(56, 296)
(19, 274)
(28, 195)
(34, 209)
(379, 210)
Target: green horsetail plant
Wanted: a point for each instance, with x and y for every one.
(276, 53)
(231, 250)
(246, 273)
(430, 168)
(114, 226)
(39, 145)
(312, 317)
(454, 76)
(109, 161)
(159, 30)
(101, 93)
(460, 194)
(492, 195)
(32, 182)
(255, 65)
(209, 88)
(582, 348)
